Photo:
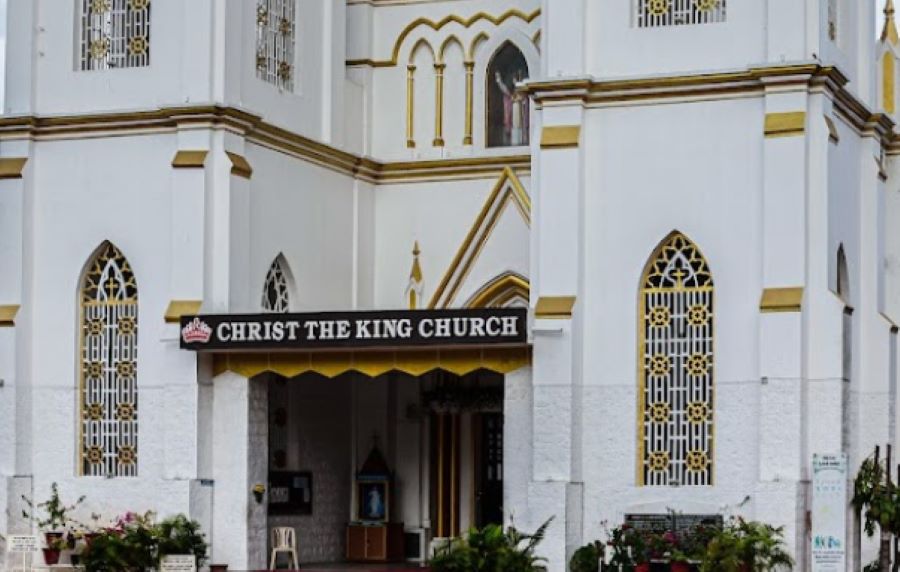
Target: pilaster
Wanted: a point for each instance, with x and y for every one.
(240, 452)
(557, 238)
(780, 494)
(564, 37)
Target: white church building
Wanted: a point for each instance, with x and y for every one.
(385, 270)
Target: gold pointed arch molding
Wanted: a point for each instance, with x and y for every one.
(372, 363)
(507, 191)
(464, 22)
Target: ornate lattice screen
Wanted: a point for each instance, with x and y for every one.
(655, 13)
(276, 295)
(676, 367)
(275, 34)
(114, 34)
(109, 397)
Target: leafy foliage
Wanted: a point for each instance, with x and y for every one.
(587, 558)
(136, 543)
(52, 514)
(747, 545)
(491, 549)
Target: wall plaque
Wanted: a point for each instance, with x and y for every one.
(829, 513)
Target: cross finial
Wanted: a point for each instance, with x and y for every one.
(889, 34)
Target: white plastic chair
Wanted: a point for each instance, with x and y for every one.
(284, 540)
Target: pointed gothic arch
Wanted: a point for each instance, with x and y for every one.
(675, 365)
(507, 290)
(842, 276)
(276, 293)
(108, 394)
(508, 115)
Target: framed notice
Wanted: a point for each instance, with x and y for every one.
(21, 544)
(178, 563)
(829, 513)
(290, 493)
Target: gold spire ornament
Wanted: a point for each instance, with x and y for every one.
(889, 34)
(416, 286)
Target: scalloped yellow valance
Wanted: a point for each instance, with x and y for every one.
(373, 363)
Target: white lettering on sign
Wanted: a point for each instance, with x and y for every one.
(21, 544)
(178, 563)
(340, 330)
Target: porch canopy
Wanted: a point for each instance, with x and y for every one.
(414, 342)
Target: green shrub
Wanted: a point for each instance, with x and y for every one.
(587, 558)
(136, 544)
(491, 549)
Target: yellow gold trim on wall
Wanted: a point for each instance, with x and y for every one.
(470, 100)
(888, 85)
(459, 361)
(464, 22)
(8, 315)
(179, 308)
(500, 291)
(439, 105)
(239, 165)
(554, 307)
(833, 135)
(560, 137)
(479, 233)
(189, 159)
(12, 167)
(781, 300)
(788, 124)
(410, 106)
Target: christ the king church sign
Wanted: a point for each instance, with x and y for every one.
(388, 329)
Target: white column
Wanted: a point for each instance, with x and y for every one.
(563, 24)
(556, 236)
(517, 440)
(779, 499)
(240, 461)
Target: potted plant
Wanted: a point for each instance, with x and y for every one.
(51, 516)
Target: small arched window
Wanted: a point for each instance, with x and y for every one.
(113, 34)
(507, 110)
(675, 361)
(276, 290)
(108, 397)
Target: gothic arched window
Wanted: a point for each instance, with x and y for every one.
(114, 34)
(276, 291)
(276, 29)
(507, 110)
(675, 356)
(108, 362)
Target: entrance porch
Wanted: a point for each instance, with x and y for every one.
(452, 448)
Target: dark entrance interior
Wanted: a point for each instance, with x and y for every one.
(489, 465)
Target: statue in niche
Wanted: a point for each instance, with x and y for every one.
(508, 110)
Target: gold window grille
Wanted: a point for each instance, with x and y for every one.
(658, 13)
(276, 292)
(108, 402)
(275, 36)
(113, 34)
(676, 367)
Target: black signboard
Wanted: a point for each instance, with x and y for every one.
(672, 522)
(290, 492)
(347, 330)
